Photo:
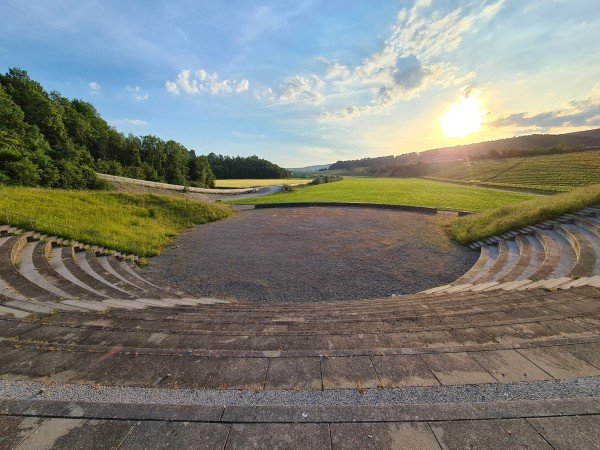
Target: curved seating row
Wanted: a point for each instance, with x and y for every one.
(562, 253)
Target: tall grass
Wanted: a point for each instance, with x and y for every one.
(134, 223)
(511, 217)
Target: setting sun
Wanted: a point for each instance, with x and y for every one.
(463, 118)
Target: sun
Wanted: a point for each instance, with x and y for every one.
(464, 117)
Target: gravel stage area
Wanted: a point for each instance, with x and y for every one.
(312, 254)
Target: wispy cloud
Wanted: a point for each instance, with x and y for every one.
(134, 122)
(94, 88)
(137, 93)
(201, 81)
(411, 59)
(250, 136)
(576, 113)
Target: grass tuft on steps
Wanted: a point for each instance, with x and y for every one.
(141, 224)
(512, 217)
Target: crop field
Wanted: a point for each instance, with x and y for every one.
(399, 191)
(552, 173)
(134, 223)
(259, 183)
(511, 217)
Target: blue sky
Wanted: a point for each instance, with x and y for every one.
(310, 82)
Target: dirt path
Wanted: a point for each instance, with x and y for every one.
(312, 254)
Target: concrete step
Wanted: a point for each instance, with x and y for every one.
(590, 223)
(9, 272)
(559, 256)
(481, 261)
(54, 258)
(66, 256)
(490, 262)
(113, 279)
(83, 258)
(587, 249)
(28, 270)
(42, 253)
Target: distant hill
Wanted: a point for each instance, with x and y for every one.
(309, 168)
(522, 144)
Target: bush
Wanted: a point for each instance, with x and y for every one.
(288, 188)
(322, 179)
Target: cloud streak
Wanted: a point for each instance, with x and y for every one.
(576, 113)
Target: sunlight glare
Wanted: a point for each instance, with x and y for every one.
(464, 117)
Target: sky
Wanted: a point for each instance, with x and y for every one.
(305, 82)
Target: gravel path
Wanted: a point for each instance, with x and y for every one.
(555, 389)
(312, 254)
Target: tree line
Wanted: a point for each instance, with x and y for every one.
(49, 140)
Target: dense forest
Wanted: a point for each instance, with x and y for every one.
(227, 167)
(49, 140)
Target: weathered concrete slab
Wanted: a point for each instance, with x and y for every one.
(13, 430)
(161, 435)
(354, 372)
(488, 434)
(581, 432)
(382, 436)
(294, 374)
(558, 362)
(590, 353)
(268, 436)
(77, 434)
(403, 370)
(509, 366)
(457, 368)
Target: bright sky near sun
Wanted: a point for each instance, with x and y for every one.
(304, 82)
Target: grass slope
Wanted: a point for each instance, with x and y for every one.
(511, 217)
(399, 191)
(241, 183)
(134, 223)
(553, 173)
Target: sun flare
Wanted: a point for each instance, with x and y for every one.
(464, 117)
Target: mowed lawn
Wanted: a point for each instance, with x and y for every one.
(134, 223)
(399, 191)
(256, 183)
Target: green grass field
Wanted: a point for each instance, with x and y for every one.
(259, 183)
(552, 173)
(399, 191)
(134, 223)
(512, 217)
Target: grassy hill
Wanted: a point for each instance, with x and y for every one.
(512, 217)
(398, 191)
(552, 173)
(134, 223)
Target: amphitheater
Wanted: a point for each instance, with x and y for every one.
(94, 355)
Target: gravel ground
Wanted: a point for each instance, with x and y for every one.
(312, 254)
(574, 388)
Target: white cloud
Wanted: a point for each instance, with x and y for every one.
(576, 113)
(94, 88)
(296, 89)
(134, 122)
(201, 81)
(137, 93)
